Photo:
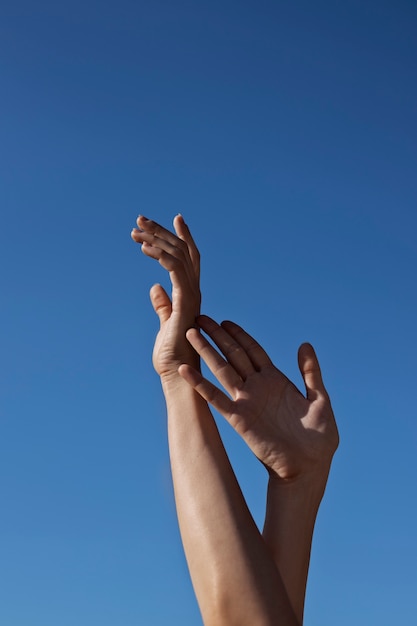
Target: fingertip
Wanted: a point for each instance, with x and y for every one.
(189, 374)
(204, 319)
(157, 292)
(144, 223)
(307, 358)
(233, 329)
(306, 350)
(146, 247)
(181, 227)
(191, 332)
(310, 369)
(178, 221)
(155, 287)
(185, 370)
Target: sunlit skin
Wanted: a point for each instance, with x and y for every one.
(291, 434)
(179, 255)
(240, 577)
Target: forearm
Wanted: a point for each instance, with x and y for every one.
(288, 531)
(234, 576)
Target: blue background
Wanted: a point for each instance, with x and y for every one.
(285, 133)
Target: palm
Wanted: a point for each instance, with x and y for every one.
(171, 348)
(287, 432)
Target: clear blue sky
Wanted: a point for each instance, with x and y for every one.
(285, 132)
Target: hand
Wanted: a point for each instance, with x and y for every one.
(179, 255)
(289, 433)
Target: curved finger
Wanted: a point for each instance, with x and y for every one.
(254, 351)
(209, 392)
(152, 227)
(171, 263)
(233, 351)
(141, 236)
(154, 234)
(222, 370)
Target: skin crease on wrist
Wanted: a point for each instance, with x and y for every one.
(293, 435)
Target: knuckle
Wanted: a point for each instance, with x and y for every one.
(169, 262)
(149, 225)
(210, 393)
(182, 245)
(232, 348)
(156, 229)
(221, 367)
(178, 253)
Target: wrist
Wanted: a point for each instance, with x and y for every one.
(172, 383)
(171, 380)
(304, 492)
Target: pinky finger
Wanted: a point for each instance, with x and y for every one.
(209, 392)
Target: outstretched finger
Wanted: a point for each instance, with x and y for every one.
(232, 350)
(222, 370)
(310, 371)
(255, 352)
(184, 233)
(209, 392)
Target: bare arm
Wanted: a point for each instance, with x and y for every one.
(293, 435)
(235, 579)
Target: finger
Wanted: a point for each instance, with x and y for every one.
(254, 351)
(153, 228)
(134, 234)
(310, 371)
(207, 390)
(171, 263)
(141, 236)
(232, 350)
(178, 259)
(222, 370)
(161, 302)
(184, 233)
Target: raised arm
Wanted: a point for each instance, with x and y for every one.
(293, 435)
(235, 579)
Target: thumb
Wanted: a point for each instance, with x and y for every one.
(310, 371)
(161, 303)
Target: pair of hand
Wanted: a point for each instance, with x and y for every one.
(291, 434)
